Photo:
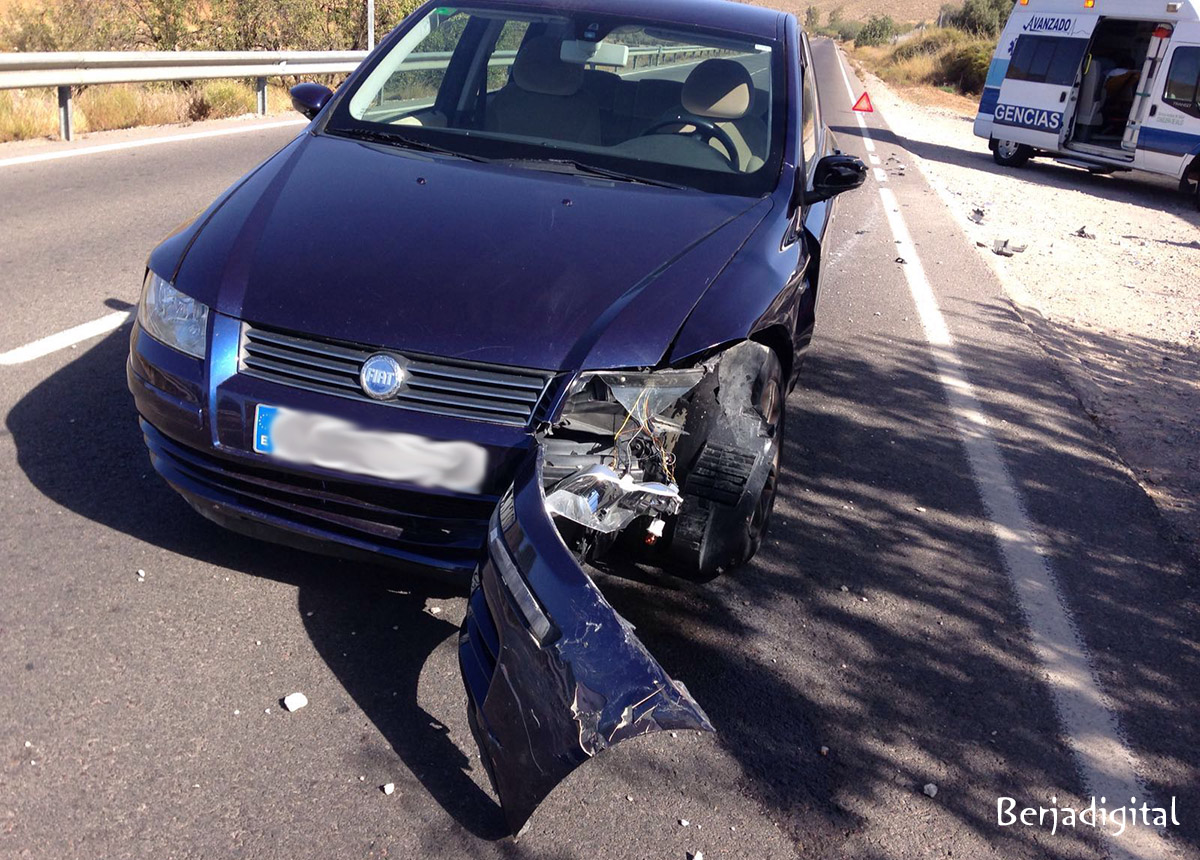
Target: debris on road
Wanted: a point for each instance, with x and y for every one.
(901, 261)
(845, 588)
(1005, 248)
(295, 701)
(930, 789)
(1083, 233)
(977, 215)
(389, 788)
(683, 822)
(699, 855)
(824, 750)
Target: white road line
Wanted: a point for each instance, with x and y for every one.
(64, 339)
(1106, 765)
(880, 174)
(150, 141)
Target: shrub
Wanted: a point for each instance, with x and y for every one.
(878, 31)
(848, 31)
(966, 66)
(931, 42)
(217, 99)
(985, 18)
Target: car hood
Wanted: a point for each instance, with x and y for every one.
(392, 248)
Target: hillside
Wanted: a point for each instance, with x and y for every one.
(913, 11)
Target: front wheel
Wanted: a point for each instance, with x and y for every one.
(1010, 154)
(729, 496)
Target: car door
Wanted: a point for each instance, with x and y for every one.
(1039, 93)
(1170, 135)
(553, 674)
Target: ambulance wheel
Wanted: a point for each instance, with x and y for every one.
(1009, 154)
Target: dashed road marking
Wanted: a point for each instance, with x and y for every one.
(1106, 765)
(64, 339)
(150, 141)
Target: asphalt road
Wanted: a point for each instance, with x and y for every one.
(876, 645)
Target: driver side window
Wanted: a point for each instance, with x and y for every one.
(808, 130)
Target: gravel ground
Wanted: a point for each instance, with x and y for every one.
(1119, 309)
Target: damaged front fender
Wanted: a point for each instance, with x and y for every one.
(553, 674)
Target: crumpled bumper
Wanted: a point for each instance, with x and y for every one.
(554, 675)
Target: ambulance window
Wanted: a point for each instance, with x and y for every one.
(1047, 60)
(1183, 81)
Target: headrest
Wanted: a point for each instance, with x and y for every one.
(719, 89)
(539, 68)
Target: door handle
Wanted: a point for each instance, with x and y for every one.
(1063, 97)
(1153, 110)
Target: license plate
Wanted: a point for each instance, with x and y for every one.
(308, 439)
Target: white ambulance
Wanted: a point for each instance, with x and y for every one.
(1105, 85)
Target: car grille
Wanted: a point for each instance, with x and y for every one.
(503, 395)
(423, 528)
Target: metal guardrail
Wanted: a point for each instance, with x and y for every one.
(65, 70)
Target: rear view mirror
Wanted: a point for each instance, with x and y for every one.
(583, 53)
(834, 175)
(309, 98)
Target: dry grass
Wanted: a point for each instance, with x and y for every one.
(128, 106)
(938, 58)
(26, 114)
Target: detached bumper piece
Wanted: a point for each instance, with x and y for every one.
(553, 674)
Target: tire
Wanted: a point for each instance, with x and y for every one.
(729, 494)
(1009, 154)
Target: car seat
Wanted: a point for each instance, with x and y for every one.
(1092, 96)
(544, 97)
(722, 91)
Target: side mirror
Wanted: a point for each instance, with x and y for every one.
(309, 98)
(834, 175)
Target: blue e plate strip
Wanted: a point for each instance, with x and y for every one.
(264, 417)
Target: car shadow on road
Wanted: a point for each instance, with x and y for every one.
(876, 623)
(78, 442)
(1139, 189)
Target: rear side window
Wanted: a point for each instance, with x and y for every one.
(1183, 81)
(1047, 60)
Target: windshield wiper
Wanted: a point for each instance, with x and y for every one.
(395, 138)
(568, 165)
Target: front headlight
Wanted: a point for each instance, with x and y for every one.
(169, 316)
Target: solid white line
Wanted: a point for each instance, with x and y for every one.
(1106, 765)
(150, 141)
(64, 339)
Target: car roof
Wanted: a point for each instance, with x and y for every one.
(740, 18)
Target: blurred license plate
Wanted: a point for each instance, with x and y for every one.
(333, 443)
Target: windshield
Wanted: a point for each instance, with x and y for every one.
(616, 97)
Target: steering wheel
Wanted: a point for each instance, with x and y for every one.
(703, 128)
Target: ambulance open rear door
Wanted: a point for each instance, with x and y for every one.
(1040, 90)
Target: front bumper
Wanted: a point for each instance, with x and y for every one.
(197, 419)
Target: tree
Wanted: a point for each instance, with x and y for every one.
(812, 19)
(879, 30)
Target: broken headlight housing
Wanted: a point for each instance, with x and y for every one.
(611, 458)
(627, 420)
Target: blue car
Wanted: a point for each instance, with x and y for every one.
(527, 295)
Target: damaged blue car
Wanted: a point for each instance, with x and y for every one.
(529, 293)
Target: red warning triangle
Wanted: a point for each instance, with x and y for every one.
(864, 104)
